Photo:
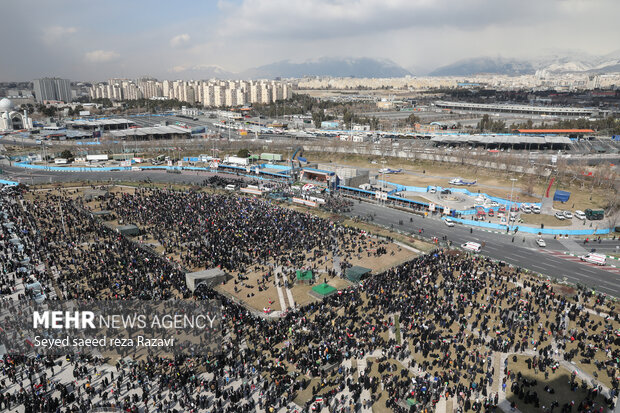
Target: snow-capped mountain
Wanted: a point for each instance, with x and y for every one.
(552, 62)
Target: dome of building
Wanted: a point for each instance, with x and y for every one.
(6, 105)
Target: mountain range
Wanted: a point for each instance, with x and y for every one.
(554, 63)
(325, 66)
(378, 68)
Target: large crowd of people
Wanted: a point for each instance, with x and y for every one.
(454, 314)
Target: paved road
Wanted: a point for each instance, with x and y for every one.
(522, 252)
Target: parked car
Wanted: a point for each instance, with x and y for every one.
(560, 216)
(568, 215)
(446, 192)
(580, 215)
(526, 208)
(535, 209)
(541, 243)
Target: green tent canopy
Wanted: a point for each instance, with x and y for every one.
(356, 273)
(304, 275)
(324, 290)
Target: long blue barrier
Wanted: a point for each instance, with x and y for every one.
(282, 167)
(532, 230)
(501, 201)
(10, 183)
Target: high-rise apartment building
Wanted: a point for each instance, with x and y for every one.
(52, 88)
(211, 93)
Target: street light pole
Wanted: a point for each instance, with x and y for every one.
(512, 189)
(510, 208)
(382, 181)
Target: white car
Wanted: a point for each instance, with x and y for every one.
(541, 243)
(560, 216)
(448, 222)
(472, 246)
(594, 258)
(494, 204)
(580, 215)
(568, 215)
(535, 209)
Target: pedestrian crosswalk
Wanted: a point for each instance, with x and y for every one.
(575, 258)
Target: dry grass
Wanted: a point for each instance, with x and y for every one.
(547, 220)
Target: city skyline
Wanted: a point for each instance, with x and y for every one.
(115, 39)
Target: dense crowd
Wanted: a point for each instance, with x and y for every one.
(209, 230)
(455, 314)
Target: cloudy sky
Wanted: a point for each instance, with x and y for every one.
(95, 40)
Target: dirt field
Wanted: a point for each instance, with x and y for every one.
(373, 371)
(248, 291)
(582, 196)
(595, 322)
(415, 180)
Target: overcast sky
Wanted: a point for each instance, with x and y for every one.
(95, 40)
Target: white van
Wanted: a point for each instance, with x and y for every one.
(230, 187)
(472, 246)
(580, 215)
(594, 258)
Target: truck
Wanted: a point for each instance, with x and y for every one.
(236, 160)
(594, 214)
(103, 157)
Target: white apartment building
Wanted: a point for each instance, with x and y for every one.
(230, 97)
(265, 93)
(218, 96)
(211, 93)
